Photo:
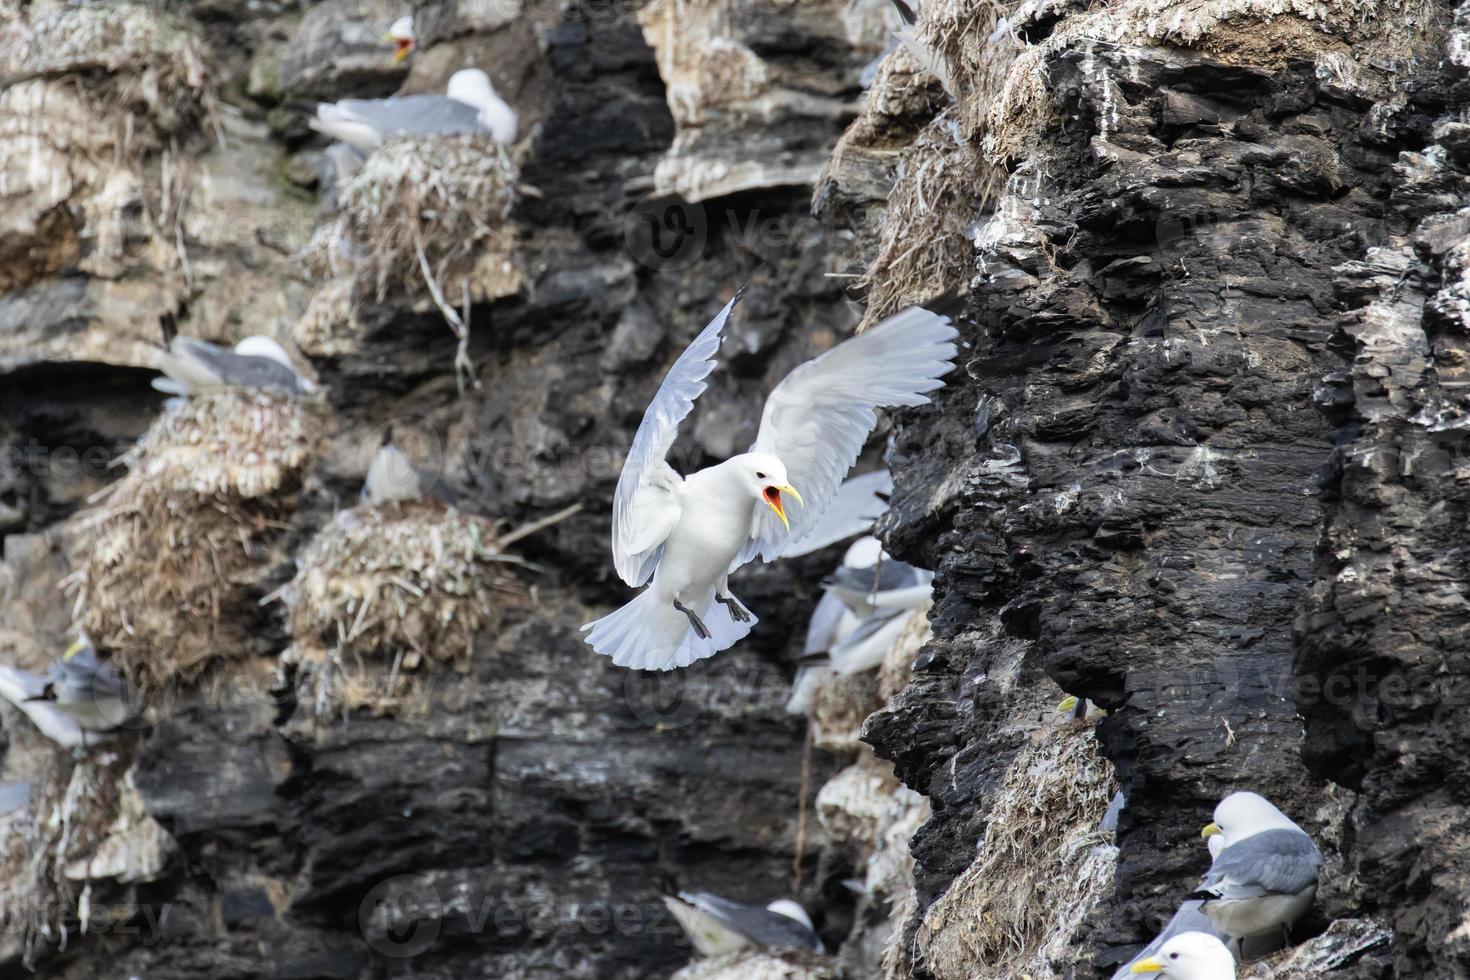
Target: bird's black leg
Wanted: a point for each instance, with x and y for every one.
(737, 611)
(701, 630)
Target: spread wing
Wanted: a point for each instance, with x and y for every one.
(1281, 862)
(820, 415)
(858, 503)
(646, 504)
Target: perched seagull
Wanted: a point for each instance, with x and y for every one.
(1190, 956)
(1266, 875)
(908, 36)
(880, 594)
(859, 502)
(718, 926)
(63, 705)
(400, 35)
(1188, 918)
(256, 362)
(687, 534)
(89, 689)
(393, 476)
(469, 105)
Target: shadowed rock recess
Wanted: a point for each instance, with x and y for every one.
(1204, 463)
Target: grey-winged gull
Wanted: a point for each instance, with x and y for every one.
(1190, 956)
(469, 105)
(1266, 876)
(683, 536)
(192, 365)
(718, 926)
(1188, 918)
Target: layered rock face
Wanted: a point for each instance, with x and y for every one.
(1201, 465)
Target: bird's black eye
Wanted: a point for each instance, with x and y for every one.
(1173, 956)
(760, 476)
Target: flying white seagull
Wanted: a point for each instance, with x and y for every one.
(718, 926)
(683, 536)
(1190, 956)
(1266, 875)
(256, 362)
(469, 105)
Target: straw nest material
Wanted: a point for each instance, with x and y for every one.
(155, 70)
(1042, 865)
(431, 212)
(166, 563)
(441, 202)
(407, 581)
(73, 805)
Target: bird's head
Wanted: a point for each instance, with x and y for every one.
(258, 346)
(400, 35)
(1190, 956)
(1240, 815)
(766, 477)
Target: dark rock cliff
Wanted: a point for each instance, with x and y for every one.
(1203, 464)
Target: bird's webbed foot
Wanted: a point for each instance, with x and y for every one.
(700, 630)
(737, 611)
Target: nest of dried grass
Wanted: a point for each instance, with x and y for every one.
(1041, 867)
(155, 69)
(407, 581)
(756, 965)
(73, 805)
(166, 563)
(431, 211)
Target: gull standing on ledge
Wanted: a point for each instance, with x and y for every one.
(687, 534)
(469, 105)
(1266, 875)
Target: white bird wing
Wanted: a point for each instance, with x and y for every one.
(820, 415)
(854, 509)
(646, 505)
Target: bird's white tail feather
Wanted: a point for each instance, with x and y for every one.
(648, 633)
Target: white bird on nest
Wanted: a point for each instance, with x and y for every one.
(1266, 875)
(718, 926)
(469, 105)
(256, 362)
(687, 534)
(1190, 956)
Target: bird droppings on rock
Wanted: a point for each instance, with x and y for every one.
(44, 847)
(166, 562)
(1040, 868)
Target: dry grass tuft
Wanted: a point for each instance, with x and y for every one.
(165, 564)
(412, 579)
(1042, 865)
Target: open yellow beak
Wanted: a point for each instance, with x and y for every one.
(401, 47)
(1149, 965)
(772, 497)
(1067, 704)
(1210, 830)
